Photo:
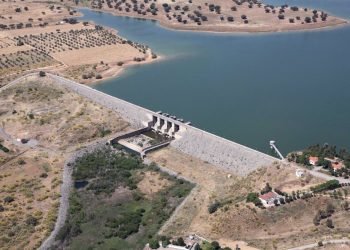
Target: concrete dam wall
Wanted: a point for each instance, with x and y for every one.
(216, 150)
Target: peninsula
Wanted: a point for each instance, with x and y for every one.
(219, 16)
(39, 35)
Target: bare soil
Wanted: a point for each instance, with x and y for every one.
(61, 122)
(279, 227)
(223, 16)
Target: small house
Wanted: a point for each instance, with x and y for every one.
(313, 160)
(337, 165)
(269, 198)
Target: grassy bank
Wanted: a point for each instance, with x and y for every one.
(124, 204)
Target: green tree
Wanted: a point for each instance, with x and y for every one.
(181, 242)
(154, 244)
(329, 223)
(330, 209)
(266, 189)
(215, 245)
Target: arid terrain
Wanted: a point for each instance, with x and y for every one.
(38, 35)
(279, 227)
(52, 123)
(219, 16)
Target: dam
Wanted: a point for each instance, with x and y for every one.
(234, 157)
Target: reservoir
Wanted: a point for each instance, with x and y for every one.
(292, 87)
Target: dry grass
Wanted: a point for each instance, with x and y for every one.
(61, 123)
(152, 183)
(35, 11)
(274, 228)
(58, 46)
(258, 19)
(107, 54)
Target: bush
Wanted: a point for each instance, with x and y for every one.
(180, 242)
(154, 244)
(254, 198)
(329, 185)
(266, 189)
(43, 175)
(215, 245)
(32, 221)
(213, 207)
(329, 223)
(4, 149)
(9, 199)
(307, 19)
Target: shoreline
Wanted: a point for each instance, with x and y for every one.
(341, 22)
(114, 71)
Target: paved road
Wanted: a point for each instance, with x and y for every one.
(327, 177)
(314, 172)
(344, 241)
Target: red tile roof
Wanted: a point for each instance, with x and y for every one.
(336, 165)
(313, 158)
(268, 196)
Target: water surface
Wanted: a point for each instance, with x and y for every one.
(290, 87)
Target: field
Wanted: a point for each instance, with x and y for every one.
(123, 205)
(39, 35)
(220, 16)
(32, 13)
(52, 123)
(235, 220)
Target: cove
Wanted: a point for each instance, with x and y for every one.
(250, 88)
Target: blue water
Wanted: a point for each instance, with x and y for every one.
(80, 184)
(290, 87)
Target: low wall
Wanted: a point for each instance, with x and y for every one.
(216, 150)
(133, 133)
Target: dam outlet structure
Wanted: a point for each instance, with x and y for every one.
(229, 155)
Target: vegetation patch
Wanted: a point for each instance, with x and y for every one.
(3, 148)
(102, 220)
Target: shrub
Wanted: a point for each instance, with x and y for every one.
(307, 19)
(9, 199)
(181, 242)
(213, 207)
(154, 244)
(31, 221)
(329, 185)
(329, 223)
(21, 162)
(4, 149)
(43, 175)
(215, 245)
